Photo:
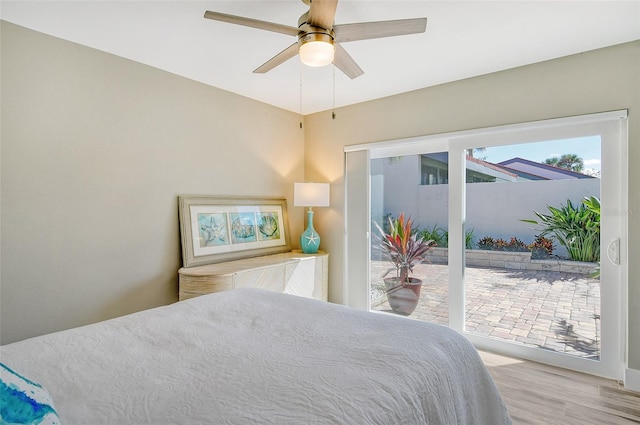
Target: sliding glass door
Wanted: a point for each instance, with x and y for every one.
(505, 272)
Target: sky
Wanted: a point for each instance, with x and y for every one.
(587, 148)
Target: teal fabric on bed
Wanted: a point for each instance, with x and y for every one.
(24, 402)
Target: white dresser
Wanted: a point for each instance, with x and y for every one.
(291, 272)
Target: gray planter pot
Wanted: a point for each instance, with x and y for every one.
(403, 298)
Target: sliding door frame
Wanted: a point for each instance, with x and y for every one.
(614, 308)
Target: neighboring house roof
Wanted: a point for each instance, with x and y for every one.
(539, 171)
(514, 168)
(492, 166)
(483, 168)
(527, 176)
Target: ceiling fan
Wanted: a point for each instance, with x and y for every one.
(319, 39)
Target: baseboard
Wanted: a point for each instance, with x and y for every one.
(632, 379)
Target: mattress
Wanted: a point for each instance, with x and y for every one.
(250, 356)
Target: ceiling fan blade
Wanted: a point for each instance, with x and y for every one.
(322, 13)
(249, 22)
(345, 63)
(379, 29)
(278, 59)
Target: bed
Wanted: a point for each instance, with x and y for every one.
(250, 356)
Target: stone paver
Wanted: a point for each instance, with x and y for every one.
(556, 311)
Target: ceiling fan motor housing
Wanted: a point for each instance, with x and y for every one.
(316, 45)
(315, 34)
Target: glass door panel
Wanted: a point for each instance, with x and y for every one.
(529, 274)
(416, 186)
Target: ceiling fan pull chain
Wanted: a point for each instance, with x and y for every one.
(333, 107)
(300, 94)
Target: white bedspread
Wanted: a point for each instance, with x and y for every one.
(255, 357)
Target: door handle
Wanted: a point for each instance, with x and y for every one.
(613, 251)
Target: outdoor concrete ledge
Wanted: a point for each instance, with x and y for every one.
(512, 260)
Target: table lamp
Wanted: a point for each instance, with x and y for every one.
(310, 195)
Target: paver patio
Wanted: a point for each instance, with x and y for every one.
(556, 311)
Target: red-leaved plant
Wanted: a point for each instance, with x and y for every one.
(402, 248)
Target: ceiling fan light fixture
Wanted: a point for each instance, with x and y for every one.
(316, 49)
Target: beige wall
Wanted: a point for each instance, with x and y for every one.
(95, 150)
(597, 81)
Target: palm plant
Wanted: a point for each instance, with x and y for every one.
(577, 229)
(593, 204)
(402, 247)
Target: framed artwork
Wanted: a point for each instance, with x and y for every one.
(215, 229)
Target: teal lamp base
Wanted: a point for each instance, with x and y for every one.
(310, 240)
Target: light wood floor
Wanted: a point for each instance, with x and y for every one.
(539, 394)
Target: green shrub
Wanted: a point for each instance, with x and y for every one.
(577, 229)
(468, 239)
(436, 234)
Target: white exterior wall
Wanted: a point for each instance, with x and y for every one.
(497, 211)
(401, 180)
(493, 209)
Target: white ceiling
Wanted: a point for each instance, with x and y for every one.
(463, 39)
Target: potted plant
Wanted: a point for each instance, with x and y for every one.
(404, 249)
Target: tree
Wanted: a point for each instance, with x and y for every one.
(568, 161)
(471, 152)
(552, 161)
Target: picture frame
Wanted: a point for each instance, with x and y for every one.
(214, 229)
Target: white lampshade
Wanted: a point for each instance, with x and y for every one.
(317, 53)
(311, 194)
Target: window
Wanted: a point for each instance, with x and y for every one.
(434, 168)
